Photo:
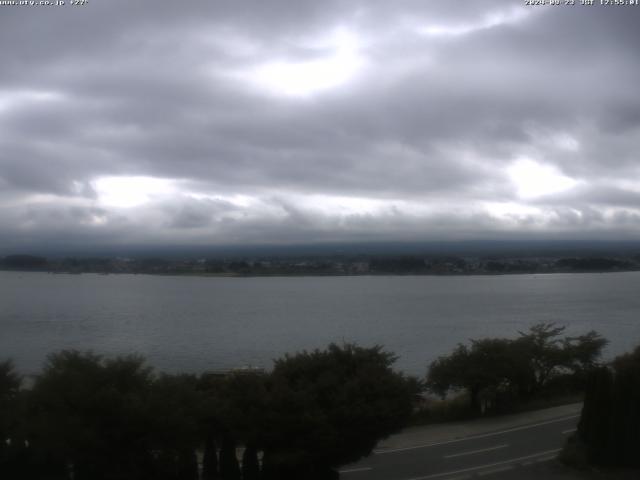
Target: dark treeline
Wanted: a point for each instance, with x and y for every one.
(24, 262)
(609, 428)
(331, 265)
(86, 417)
(92, 418)
(500, 374)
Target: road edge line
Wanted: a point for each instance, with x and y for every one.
(475, 437)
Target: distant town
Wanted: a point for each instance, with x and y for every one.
(330, 266)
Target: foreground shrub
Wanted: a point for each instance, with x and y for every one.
(92, 418)
(610, 422)
(331, 407)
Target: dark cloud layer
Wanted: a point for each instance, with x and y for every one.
(291, 121)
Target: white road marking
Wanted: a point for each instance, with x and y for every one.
(354, 470)
(571, 430)
(487, 466)
(544, 459)
(472, 452)
(474, 437)
(495, 470)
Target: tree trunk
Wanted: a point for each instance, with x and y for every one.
(187, 465)
(229, 467)
(210, 460)
(250, 464)
(474, 399)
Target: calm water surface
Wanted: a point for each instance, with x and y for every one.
(200, 323)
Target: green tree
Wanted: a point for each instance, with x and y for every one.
(210, 458)
(489, 370)
(595, 421)
(10, 383)
(496, 372)
(551, 356)
(91, 414)
(250, 464)
(610, 421)
(583, 352)
(626, 409)
(173, 410)
(328, 408)
(233, 414)
(229, 466)
(544, 350)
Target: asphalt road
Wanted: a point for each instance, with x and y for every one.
(484, 455)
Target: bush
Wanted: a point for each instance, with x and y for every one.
(328, 408)
(610, 421)
(100, 419)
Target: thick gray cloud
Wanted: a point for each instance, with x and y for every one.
(291, 121)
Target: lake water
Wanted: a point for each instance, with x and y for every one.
(204, 323)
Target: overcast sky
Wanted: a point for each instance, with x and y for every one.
(294, 121)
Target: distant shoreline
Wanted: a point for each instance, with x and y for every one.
(327, 266)
(316, 275)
